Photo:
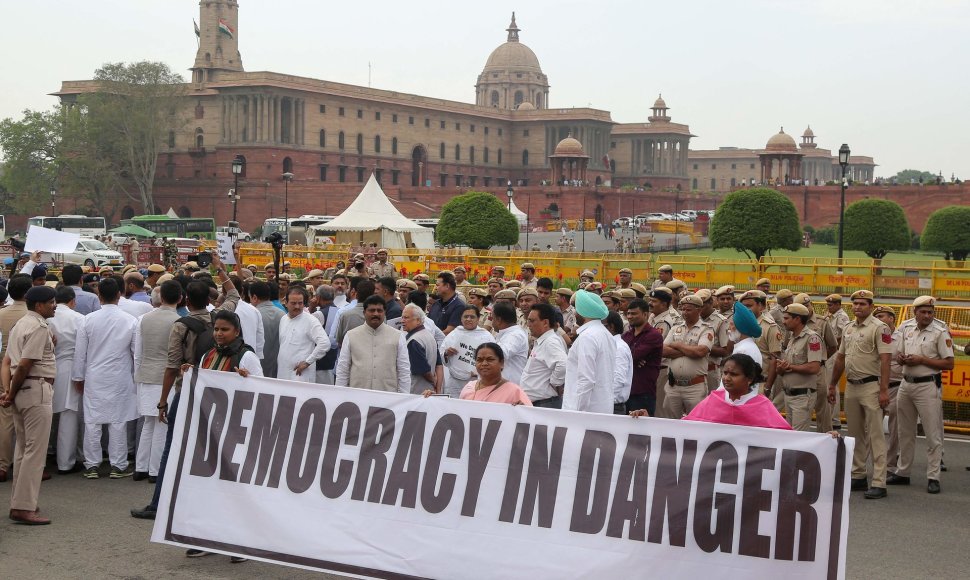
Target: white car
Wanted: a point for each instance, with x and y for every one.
(657, 217)
(91, 252)
(241, 236)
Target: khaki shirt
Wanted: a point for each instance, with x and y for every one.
(31, 339)
(769, 343)
(665, 321)
(717, 321)
(824, 330)
(838, 322)
(9, 316)
(805, 348)
(378, 270)
(896, 369)
(701, 334)
(862, 344)
(934, 342)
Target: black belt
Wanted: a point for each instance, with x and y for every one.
(544, 400)
(797, 392)
(863, 380)
(925, 379)
(894, 384)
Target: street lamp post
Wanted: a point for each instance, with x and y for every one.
(53, 194)
(844, 163)
(509, 192)
(287, 178)
(238, 163)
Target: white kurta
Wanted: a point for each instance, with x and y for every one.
(134, 307)
(589, 370)
(64, 325)
(302, 339)
(104, 360)
(459, 368)
(251, 323)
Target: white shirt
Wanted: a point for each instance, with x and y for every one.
(460, 367)
(589, 370)
(339, 300)
(623, 371)
(748, 346)
(250, 362)
(545, 370)
(302, 339)
(104, 360)
(251, 324)
(64, 325)
(135, 308)
(515, 346)
(742, 400)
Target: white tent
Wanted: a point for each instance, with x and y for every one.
(372, 218)
(519, 214)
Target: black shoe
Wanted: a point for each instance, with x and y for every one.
(145, 513)
(139, 475)
(895, 479)
(876, 493)
(91, 473)
(152, 478)
(120, 473)
(193, 553)
(942, 466)
(933, 486)
(860, 484)
(237, 559)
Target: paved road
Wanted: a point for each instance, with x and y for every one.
(910, 535)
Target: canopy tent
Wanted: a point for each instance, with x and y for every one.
(133, 230)
(372, 218)
(519, 214)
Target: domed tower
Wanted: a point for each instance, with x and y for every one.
(218, 33)
(781, 153)
(512, 76)
(808, 139)
(659, 109)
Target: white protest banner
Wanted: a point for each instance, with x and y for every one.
(224, 247)
(47, 240)
(385, 485)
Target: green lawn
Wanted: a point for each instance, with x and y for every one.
(816, 251)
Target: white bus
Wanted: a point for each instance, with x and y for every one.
(300, 233)
(3, 230)
(87, 227)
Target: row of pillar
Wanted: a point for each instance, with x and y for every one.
(659, 157)
(263, 119)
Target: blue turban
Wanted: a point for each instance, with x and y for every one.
(745, 321)
(590, 306)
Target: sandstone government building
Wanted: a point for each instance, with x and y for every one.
(332, 136)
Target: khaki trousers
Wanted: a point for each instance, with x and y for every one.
(922, 400)
(661, 392)
(892, 439)
(778, 395)
(837, 407)
(6, 437)
(713, 379)
(679, 401)
(798, 411)
(32, 421)
(864, 416)
(823, 409)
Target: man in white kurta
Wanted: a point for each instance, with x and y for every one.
(251, 324)
(135, 308)
(103, 370)
(302, 340)
(589, 365)
(67, 400)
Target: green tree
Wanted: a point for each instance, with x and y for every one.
(876, 227)
(132, 114)
(948, 231)
(904, 176)
(756, 221)
(479, 220)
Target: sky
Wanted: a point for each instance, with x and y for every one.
(886, 77)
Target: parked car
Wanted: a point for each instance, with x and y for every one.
(243, 236)
(657, 217)
(93, 253)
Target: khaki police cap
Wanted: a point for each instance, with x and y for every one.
(480, 292)
(409, 284)
(314, 273)
(513, 284)
(784, 293)
(505, 295)
(924, 301)
(382, 251)
(587, 274)
(191, 266)
(128, 268)
(626, 293)
(762, 281)
(165, 278)
(459, 269)
(798, 309)
(704, 294)
(284, 276)
(692, 299)
(665, 268)
(358, 256)
(803, 298)
(498, 269)
(884, 310)
(676, 285)
(286, 263)
(156, 269)
(422, 277)
(564, 291)
(496, 281)
(724, 290)
(528, 292)
(595, 286)
(753, 294)
(106, 271)
(834, 298)
(528, 266)
(626, 271)
(863, 294)
(639, 288)
(270, 266)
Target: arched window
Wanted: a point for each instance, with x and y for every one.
(323, 138)
(518, 98)
(394, 146)
(525, 158)
(441, 151)
(377, 144)
(127, 212)
(494, 98)
(360, 143)
(184, 212)
(457, 152)
(287, 165)
(485, 155)
(471, 155)
(499, 157)
(713, 184)
(340, 140)
(693, 184)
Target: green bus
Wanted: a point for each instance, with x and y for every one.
(169, 227)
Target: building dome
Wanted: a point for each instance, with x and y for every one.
(512, 76)
(659, 103)
(808, 132)
(526, 106)
(569, 147)
(781, 142)
(513, 56)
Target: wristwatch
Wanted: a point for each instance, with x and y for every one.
(161, 406)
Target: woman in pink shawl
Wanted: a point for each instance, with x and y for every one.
(491, 386)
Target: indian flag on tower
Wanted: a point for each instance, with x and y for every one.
(225, 28)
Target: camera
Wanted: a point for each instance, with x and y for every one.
(204, 259)
(275, 239)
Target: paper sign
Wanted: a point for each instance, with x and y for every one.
(47, 240)
(225, 248)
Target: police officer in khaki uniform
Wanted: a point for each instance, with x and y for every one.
(662, 317)
(687, 347)
(725, 301)
(626, 277)
(783, 298)
(864, 357)
(722, 344)
(679, 288)
(926, 349)
(769, 343)
(837, 319)
(830, 344)
(382, 268)
(665, 274)
(888, 316)
(586, 276)
(799, 367)
(764, 285)
(30, 393)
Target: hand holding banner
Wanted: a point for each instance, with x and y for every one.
(48, 240)
(224, 248)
